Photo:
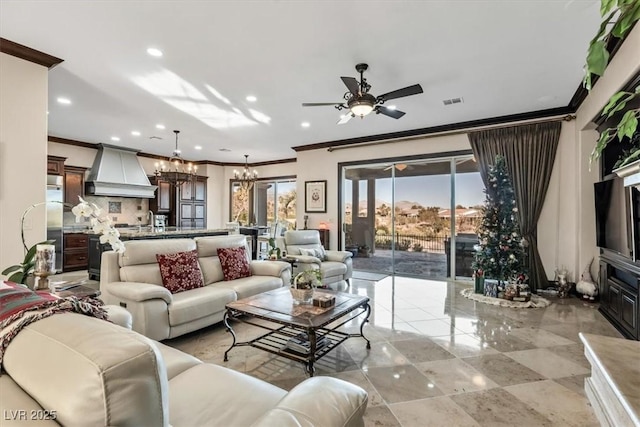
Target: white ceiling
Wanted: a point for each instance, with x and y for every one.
(502, 57)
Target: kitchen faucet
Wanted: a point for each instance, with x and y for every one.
(151, 220)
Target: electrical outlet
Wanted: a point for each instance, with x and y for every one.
(114, 218)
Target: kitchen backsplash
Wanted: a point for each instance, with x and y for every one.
(121, 210)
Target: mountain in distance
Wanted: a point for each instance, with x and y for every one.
(403, 204)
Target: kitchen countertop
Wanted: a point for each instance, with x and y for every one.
(146, 232)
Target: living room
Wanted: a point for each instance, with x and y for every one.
(566, 232)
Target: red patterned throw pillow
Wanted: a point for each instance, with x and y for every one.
(180, 271)
(234, 263)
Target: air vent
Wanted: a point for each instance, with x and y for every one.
(155, 137)
(453, 101)
(226, 150)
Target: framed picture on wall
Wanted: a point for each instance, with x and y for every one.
(315, 196)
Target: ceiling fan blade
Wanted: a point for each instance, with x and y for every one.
(319, 104)
(344, 118)
(351, 84)
(396, 114)
(407, 91)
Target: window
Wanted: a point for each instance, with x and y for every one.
(267, 202)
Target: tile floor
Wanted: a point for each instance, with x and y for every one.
(438, 358)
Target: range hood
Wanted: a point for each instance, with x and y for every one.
(116, 171)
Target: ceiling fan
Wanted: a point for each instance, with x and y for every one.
(360, 102)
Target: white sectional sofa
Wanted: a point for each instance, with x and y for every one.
(74, 370)
(133, 280)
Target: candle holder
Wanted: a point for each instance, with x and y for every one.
(45, 265)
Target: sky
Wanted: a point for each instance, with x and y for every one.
(432, 190)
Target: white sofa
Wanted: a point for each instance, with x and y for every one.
(74, 370)
(337, 266)
(132, 280)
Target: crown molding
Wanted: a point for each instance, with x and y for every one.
(28, 54)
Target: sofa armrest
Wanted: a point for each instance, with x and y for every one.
(269, 268)
(338, 256)
(136, 291)
(318, 401)
(307, 259)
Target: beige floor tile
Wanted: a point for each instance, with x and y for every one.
(380, 354)
(435, 328)
(503, 370)
(497, 408)
(401, 383)
(574, 383)
(574, 353)
(380, 416)
(558, 403)
(464, 345)
(455, 376)
(421, 350)
(540, 337)
(433, 412)
(547, 363)
(413, 314)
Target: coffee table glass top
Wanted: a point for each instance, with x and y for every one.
(278, 305)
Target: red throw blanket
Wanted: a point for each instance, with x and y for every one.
(20, 306)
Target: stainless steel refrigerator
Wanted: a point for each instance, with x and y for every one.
(55, 209)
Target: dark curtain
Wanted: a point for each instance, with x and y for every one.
(529, 151)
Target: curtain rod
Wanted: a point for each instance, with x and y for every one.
(563, 117)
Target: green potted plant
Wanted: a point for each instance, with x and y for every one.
(303, 285)
(364, 251)
(628, 13)
(274, 251)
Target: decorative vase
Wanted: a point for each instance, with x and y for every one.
(301, 296)
(479, 285)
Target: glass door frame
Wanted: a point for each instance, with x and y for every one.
(453, 156)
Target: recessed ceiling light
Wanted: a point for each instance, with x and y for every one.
(135, 133)
(154, 52)
(251, 98)
(65, 101)
(198, 147)
(115, 138)
(391, 107)
(159, 126)
(305, 124)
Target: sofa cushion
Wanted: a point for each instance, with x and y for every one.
(208, 395)
(234, 263)
(319, 253)
(175, 360)
(180, 271)
(91, 372)
(332, 268)
(198, 303)
(249, 286)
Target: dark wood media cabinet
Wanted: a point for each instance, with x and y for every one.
(619, 295)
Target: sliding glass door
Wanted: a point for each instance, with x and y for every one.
(412, 218)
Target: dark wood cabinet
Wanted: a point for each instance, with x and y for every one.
(164, 202)
(192, 200)
(75, 254)
(73, 184)
(324, 238)
(619, 296)
(55, 165)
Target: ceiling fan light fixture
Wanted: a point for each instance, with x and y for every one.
(362, 105)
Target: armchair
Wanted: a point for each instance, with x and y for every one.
(335, 266)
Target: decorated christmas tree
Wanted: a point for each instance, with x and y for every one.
(500, 253)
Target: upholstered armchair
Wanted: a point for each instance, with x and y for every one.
(305, 245)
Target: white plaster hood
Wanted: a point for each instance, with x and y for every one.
(116, 171)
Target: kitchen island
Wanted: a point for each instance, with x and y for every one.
(141, 233)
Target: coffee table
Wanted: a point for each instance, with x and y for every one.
(287, 320)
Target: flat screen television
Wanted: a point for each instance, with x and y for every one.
(617, 217)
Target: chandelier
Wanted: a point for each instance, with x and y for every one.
(176, 172)
(246, 178)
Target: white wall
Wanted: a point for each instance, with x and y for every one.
(23, 154)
